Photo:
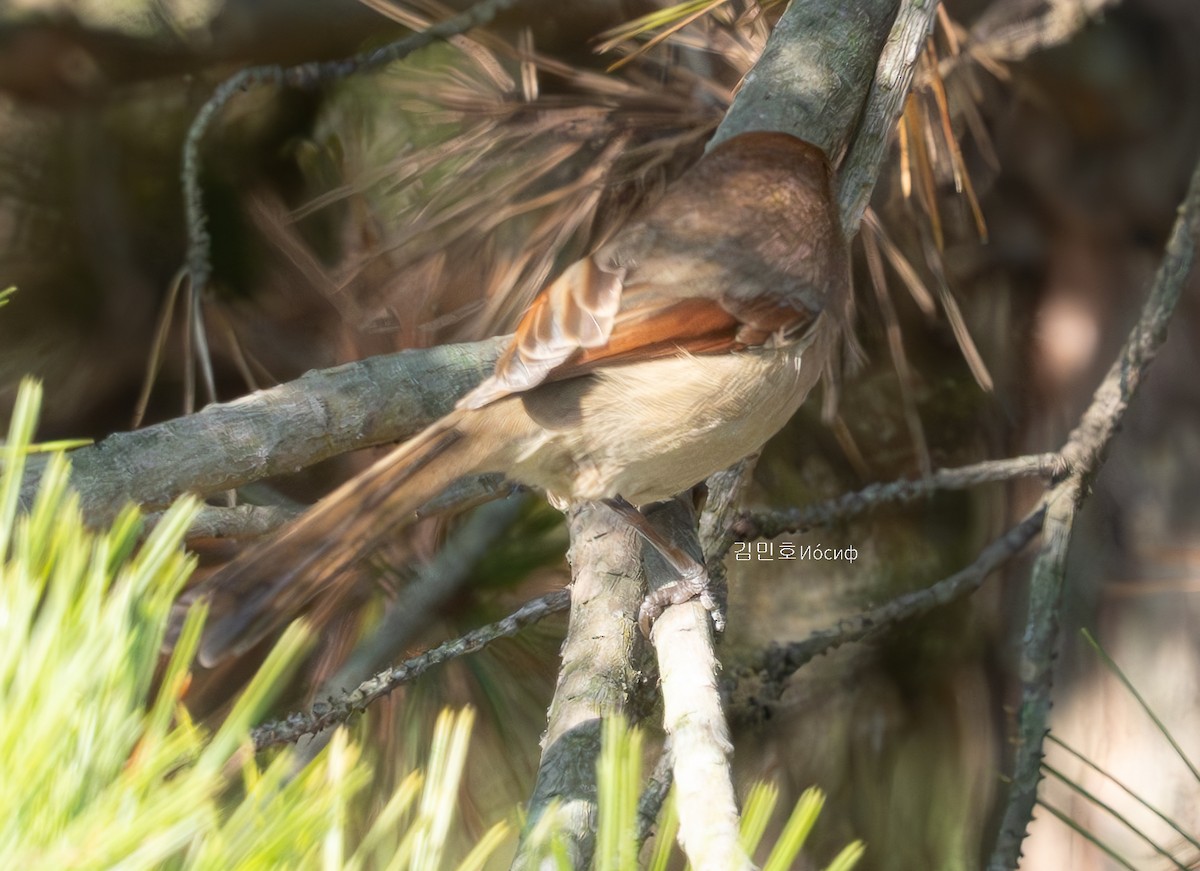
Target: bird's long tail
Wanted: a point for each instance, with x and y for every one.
(264, 588)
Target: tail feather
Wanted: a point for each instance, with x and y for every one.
(265, 587)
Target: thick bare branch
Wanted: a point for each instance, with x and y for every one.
(597, 677)
(692, 714)
(319, 415)
(814, 74)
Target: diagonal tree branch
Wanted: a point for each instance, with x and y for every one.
(1084, 455)
(333, 711)
(319, 415)
(779, 662)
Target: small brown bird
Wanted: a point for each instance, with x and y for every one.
(675, 350)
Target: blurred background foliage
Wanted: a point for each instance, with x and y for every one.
(427, 202)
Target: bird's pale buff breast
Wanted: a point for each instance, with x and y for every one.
(646, 443)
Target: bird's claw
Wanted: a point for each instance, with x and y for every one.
(693, 585)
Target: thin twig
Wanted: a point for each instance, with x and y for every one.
(250, 521)
(422, 598)
(778, 662)
(339, 710)
(769, 524)
(238, 521)
(305, 75)
(1008, 32)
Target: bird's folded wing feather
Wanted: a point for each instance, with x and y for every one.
(596, 313)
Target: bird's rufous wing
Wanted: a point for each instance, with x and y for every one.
(744, 248)
(590, 315)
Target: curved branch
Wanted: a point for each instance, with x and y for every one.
(1084, 454)
(298, 76)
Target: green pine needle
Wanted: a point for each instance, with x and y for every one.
(102, 766)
